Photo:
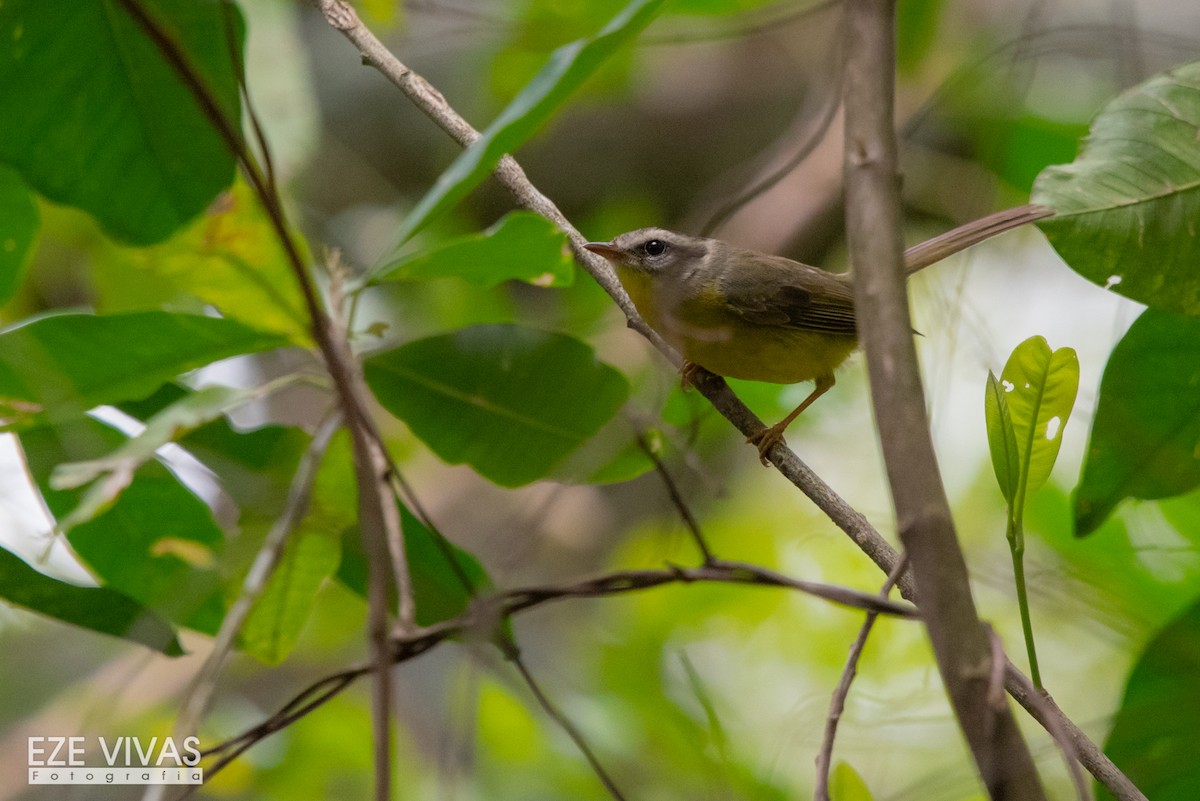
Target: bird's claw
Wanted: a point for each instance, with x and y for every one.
(765, 440)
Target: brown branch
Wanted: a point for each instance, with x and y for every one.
(852, 523)
(487, 612)
(565, 724)
(689, 520)
(960, 642)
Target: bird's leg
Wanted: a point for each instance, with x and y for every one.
(687, 371)
(766, 439)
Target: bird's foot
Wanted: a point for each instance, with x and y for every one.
(767, 439)
(687, 375)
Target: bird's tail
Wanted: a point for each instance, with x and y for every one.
(931, 251)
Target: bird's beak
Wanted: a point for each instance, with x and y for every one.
(604, 249)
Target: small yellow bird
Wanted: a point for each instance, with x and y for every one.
(744, 314)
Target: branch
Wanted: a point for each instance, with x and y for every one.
(837, 702)
(844, 516)
(487, 612)
(689, 520)
(299, 495)
(960, 642)
(565, 724)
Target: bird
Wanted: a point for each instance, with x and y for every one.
(741, 313)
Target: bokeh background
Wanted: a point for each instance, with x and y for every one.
(722, 119)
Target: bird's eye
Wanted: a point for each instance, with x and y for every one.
(655, 247)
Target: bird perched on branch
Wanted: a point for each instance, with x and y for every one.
(744, 314)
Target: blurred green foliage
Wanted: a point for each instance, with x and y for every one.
(685, 692)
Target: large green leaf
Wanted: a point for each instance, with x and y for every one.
(569, 66)
(1156, 735)
(228, 257)
(93, 117)
(1145, 442)
(96, 608)
(511, 402)
(1127, 206)
(157, 543)
(522, 246)
(18, 227)
(1040, 388)
(58, 367)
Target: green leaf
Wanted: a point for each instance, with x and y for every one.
(96, 608)
(1156, 734)
(1002, 440)
(1145, 441)
(57, 367)
(228, 257)
(569, 66)
(443, 575)
(846, 785)
(1127, 206)
(110, 474)
(522, 246)
(158, 543)
(274, 624)
(92, 116)
(511, 402)
(18, 227)
(254, 466)
(1040, 389)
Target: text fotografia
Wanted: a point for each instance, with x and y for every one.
(126, 760)
(116, 776)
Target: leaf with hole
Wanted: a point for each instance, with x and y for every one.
(112, 473)
(1127, 206)
(1039, 387)
(157, 543)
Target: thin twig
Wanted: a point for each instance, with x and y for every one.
(565, 724)
(685, 512)
(854, 524)
(837, 702)
(299, 495)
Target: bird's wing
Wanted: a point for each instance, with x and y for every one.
(789, 294)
